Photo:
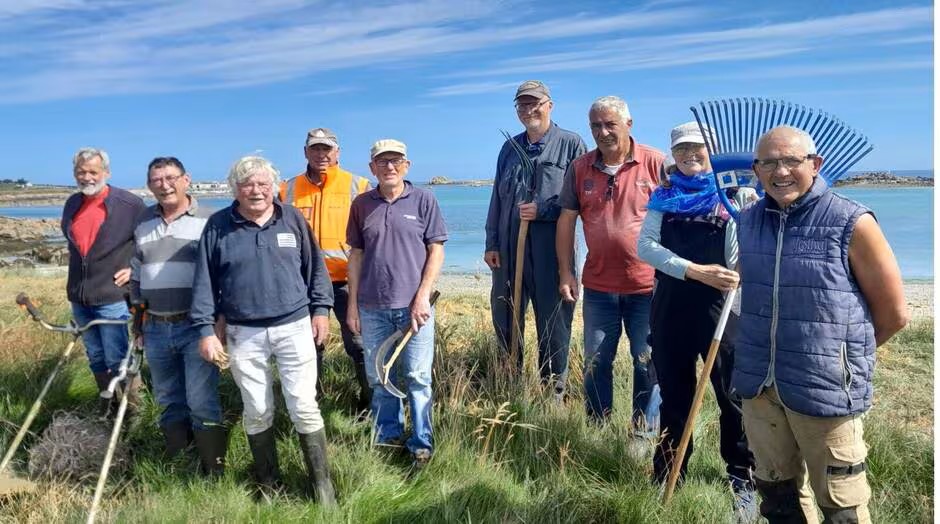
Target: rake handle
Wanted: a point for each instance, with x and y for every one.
(679, 457)
(517, 311)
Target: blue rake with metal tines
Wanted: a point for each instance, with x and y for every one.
(737, 124)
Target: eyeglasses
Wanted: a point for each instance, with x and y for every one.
(687, 147)
(385, 162)
(264, 187)
(529, 106)
(168, 180)
(769, 165)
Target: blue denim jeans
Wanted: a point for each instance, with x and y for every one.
(606, 315)
(413, 365)
(105, 345)
(184, 384)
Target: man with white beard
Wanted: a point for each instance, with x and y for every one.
(98, 223)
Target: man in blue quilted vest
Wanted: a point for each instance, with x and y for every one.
(821, 289)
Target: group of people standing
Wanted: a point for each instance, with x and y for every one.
(255, 281)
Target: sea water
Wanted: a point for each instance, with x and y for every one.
(905, 215)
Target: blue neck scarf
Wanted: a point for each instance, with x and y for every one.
(689, 196)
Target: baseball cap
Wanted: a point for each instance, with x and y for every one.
(321, 135)
(387, 145)
(532, 88)
(690, 132)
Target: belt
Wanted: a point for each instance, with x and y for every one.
(178, 317)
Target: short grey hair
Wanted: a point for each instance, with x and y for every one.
(248, 166)
(805, 139)
(614, 103)
(87, 153)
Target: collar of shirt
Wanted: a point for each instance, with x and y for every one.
(377, 194)
(538, 146)
(242, 221)
(634, 156)
(191, 210)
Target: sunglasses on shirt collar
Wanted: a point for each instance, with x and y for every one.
(611, 184)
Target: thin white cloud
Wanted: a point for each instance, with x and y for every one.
(760, 41)
(171, 45)
(474, 88)
(332, 91)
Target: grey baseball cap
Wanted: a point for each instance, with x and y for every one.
(322, 135)
(533, 88)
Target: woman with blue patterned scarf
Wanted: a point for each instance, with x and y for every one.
(691, 240)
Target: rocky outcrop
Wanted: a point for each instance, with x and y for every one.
(25, 242)
(885, 178)
(28, 229)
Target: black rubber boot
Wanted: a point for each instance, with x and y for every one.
(264, 452)
(365, 390)
(781, 502)
(318, 469)
(102, 380)
(177, 436)
(212, 444)
(840, 515)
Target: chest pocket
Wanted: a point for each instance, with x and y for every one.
(333, 219)
(549, 178)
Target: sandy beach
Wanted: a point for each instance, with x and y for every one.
(919, 293)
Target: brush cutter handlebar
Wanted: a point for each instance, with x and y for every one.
(72, 328)
(23, 301)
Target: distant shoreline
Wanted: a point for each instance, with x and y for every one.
(14, 198)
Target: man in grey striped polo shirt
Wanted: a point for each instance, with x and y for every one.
(184, 384)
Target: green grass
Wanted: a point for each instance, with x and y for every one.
(504, 452)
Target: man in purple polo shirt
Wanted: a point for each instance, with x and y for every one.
(397, 233)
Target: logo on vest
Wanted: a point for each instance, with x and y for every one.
(813, 247)
(589, 185)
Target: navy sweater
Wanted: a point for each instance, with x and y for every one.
(258, 276)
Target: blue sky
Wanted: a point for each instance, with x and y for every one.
(210, 81)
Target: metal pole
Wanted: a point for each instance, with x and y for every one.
(34, 410)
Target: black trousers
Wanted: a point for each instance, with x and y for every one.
(680, 342)
(352, 343)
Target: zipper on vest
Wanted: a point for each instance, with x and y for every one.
(775, 312)
(846, 372)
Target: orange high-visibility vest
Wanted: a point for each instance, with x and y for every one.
(326, 209)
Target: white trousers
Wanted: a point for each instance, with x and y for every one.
(250, 351)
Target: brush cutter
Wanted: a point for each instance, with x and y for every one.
(731, 128)
(518, 312)
(11, 485)
(394, 344)
(127, 372)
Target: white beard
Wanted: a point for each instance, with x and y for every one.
(92, 189)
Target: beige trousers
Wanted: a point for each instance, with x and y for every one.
(829, 450)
